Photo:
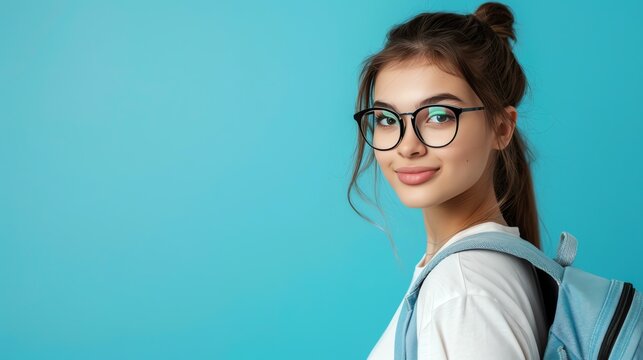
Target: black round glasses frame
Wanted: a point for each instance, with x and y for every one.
(456, 110)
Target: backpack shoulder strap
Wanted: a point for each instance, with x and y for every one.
(510, 244)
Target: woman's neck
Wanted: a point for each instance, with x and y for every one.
(470, 208)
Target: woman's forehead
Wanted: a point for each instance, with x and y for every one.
(410, 70)
(411, 82)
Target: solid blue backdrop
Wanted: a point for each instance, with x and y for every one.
(173, 175)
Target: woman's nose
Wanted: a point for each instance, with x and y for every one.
(410, 143)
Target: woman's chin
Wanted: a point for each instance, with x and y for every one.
(418, 199)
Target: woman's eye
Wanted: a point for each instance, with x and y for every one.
(440, 117)
(385, 121)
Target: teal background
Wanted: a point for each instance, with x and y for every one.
(173, 175)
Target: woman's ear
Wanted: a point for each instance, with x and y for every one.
(505, 128)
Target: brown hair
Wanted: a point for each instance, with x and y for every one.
(475, 47)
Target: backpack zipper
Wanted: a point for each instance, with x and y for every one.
(622, 308)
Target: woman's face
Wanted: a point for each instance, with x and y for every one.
(462, 163)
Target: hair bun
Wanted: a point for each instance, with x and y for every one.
(499, 17)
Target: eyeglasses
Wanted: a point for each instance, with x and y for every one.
(383, 128)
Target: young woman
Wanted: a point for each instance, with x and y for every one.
(437, 107)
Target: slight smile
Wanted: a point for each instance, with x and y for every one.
(415, 176)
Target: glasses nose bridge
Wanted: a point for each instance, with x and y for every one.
(406, 113)
(412, 124)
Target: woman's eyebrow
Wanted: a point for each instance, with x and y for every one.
(429, 100)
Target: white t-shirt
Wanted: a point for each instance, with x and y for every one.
(476, 304)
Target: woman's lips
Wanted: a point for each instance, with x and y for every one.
(416, 178)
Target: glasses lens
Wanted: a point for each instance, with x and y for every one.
(380, 128)
(436, 125)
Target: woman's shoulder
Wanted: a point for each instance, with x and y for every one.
(477, 286)
(503, 277)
